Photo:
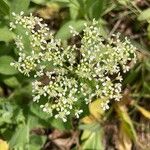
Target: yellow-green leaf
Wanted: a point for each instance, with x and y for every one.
(143, 111)
(123, 142)
(96, 109)
(145, 15)
(88, 119)
(126, 121)
(96, 112)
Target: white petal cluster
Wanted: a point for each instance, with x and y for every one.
(67, 77)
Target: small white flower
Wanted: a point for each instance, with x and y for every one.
(63, 77)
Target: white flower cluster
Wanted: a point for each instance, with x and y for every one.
(67, 77)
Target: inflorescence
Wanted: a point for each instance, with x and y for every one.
(67, 77)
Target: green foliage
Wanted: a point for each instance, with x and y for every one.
(5, 67)
(93, 140)
(19, 5)
(4, 8)
(126, 122)
(39, 2)
(19, 115)
(144, 15)
(12, 82)
(64, 32)
(5, 34)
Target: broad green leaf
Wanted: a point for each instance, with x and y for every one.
(59, 124)
(36, 142)
(37, 122)
(64, 32)
(25, 39)
(7, 112)
(74, 8)
(145, 15)
(6, 35)
(12, 82)
(10, 113)
(20, 139)
(19, 5)
(126, 121)
(5, 48)
(36, 110)
(5, 67)
(74, 11)
(85, 135)
(4, 8)
(93, 127)
(103, 30)
(94, 141)
(95, 8)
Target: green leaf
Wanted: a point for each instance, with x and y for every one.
(59, 124)
(126, 121)
(74, 11)
(12, 82)
(36, 110)
(39, 1)
(148, 30)
(74, 8)
(5, 67)
(123, 142)
(95, 8)
(37, 142)
(94, 141)
(93, 127)
(132, 75)
(6, 112)
(145, 15)
(6, 35)
(37, 122)
(64, 31)
(124, 2)
(19, 5)
(4, 8)
(61, 1)
(143, 111)
(20, 138)
(25, 39)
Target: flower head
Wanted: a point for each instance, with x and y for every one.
(68, 76)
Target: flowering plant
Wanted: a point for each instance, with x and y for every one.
(67, 76)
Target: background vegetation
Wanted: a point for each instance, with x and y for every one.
(125, 126)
